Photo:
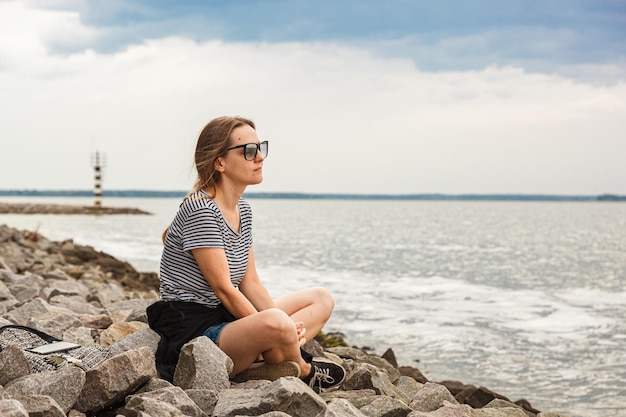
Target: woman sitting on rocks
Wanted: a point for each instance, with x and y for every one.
(208, 280)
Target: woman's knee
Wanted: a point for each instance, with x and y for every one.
(324, 298)
(278, 324)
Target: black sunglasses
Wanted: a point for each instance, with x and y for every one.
(250, 150)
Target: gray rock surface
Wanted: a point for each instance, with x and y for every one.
(202, 365)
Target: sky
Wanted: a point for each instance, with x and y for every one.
(354, 96)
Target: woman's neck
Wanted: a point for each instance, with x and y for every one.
(227, 197)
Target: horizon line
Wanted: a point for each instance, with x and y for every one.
(303, 195)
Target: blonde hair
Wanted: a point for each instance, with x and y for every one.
(213, 142)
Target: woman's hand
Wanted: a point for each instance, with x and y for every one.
(301, 331)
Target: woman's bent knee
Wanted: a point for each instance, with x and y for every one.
(324, 298)
(278, 324)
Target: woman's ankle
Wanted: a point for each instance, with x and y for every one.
(306, 370)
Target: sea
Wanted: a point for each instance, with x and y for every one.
(526, 298)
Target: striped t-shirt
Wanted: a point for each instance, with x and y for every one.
(199, 224)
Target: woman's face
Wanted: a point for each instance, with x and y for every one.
(236, 167)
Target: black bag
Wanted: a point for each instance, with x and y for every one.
(27, 338)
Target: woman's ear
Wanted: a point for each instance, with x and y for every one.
(219, 164)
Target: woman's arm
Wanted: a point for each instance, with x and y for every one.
(254, 290)
(214, 267)
(252, 287)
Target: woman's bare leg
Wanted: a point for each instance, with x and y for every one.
(271, 333)
(312, 306)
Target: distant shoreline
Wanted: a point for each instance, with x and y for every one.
(28, 208)
(323, 196)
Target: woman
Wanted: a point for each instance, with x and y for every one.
(209, 283)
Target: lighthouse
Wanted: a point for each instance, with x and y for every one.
(98, 164)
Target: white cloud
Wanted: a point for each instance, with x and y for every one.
(27, 34)
(339, 119)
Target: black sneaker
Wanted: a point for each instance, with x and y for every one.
(324, 374)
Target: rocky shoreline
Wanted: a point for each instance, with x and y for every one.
(78, 294)
(30, 208)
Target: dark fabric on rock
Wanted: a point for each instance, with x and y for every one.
(177, 323)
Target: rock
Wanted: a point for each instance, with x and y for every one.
(202, 365)
(140, 338)
(64, 385)
(390, 357)
(367, 376)
(24, 293)
(413, 373)
(12, 408)
(500, 412)
(447, 410)
(96, 321)
(107, 293)
(75, 303)
(314, 348)
(118, 331)
(154, 384)
(456, 387)
(126, 308)
(66, 287)
(386, 407)
(140, 407)
(13, 364)
(362, 357)
(138, 314)
(32, 310)
(110, 382)
(408, 386)
(289, 395)
(204, 398)
(6, 298)
(498, 403)
(17, 281)
(162, 402)
(54, 323)
(342, 408)
(74, 272)
(358, 398)
(431, 397)
(81, 335)
(478, 397)
(527, 406)
(40, 406)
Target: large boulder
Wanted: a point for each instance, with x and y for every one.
(202, 365)
(110, 382)
(162, 402)
(64, 385)
(13, 364)
(289, 395)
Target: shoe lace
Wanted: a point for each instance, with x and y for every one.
(321, 375)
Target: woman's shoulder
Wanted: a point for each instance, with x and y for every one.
(196, 205)
(199, 200)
